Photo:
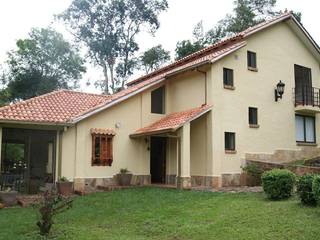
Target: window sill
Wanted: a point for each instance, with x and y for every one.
(253, 69)
(229, 87)
(254, 125)
(230, 151)
(307, 144)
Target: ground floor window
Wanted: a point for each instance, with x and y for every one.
(305, 129)
(101, 150)
(230, 141)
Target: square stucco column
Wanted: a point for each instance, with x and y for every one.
(183, 176)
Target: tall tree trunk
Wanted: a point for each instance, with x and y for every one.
(106, 79)
(111, 69)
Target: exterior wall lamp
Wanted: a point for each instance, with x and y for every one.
(278, 92)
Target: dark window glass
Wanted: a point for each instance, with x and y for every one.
(158, 100)
(252, 59)
(253, 116)
(227, 77)
(305, 129)
(230, 141)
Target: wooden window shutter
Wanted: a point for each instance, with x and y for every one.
(103, 151)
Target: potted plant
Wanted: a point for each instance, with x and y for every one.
(8, 197)
(65, 187)
(124, 177)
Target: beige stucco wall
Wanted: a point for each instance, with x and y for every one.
(277, 51)
(132, 114)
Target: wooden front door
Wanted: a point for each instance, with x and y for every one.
(158, 159)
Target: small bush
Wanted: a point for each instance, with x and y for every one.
(52, 204)
(278, 183)
(304, 190)
(316, 187)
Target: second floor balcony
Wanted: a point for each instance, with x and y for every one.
(307, 99)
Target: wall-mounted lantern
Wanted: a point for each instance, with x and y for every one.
(278, 92)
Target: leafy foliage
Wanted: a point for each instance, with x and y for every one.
(153, 58)
(252, 169)
(278, 183)
(52, 204)
(304, 190)
(246, 13)
(316, 187)
(108, 28)
(43, 62)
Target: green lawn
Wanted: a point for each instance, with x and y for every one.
(151, 213)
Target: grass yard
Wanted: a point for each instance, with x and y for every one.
(151, 213)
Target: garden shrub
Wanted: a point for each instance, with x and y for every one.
(316, 187)
(304, 190)
(278, 183)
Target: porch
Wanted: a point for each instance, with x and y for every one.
(179, 149)
(28, 159)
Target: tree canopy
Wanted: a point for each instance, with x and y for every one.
(109, 29)
(43, 62)
(154, 58)
(246, 13)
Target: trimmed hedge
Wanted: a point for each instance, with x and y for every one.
(304, 190)
(278, 183)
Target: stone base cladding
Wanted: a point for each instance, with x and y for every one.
(197, 181)
(184, 182)
(206, 181)
(91, 184)
(171, 179)
(231, 180)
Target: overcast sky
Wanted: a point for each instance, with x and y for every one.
(17, 17)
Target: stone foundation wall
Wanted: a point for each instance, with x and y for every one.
(285, 156)
(197, 181)
(231, 180)
(299, 170)
(91, 184)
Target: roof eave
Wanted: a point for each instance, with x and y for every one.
(3, 121)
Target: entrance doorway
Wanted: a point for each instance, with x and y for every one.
(158, 159)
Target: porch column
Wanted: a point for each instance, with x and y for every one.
(183, 176)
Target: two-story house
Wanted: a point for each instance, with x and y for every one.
(194, 122)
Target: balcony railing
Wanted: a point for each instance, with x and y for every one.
(307, 96)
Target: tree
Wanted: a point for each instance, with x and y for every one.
(153, 58)
(43, 62)
(108, 28)
(246, 13)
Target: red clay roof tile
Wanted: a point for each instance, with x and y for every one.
(172, 121)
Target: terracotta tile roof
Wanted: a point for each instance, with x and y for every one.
(101, 131)
(172, 122)
(55, 108)
(67, 107)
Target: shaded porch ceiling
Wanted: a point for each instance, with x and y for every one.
(171, 122)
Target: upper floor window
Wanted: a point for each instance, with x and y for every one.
(102, 153)
(305, 129)
(158, 100)
(229, 141)
(252, 60)
(227, 77)
(253, 116)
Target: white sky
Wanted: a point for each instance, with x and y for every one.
(17, 17)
